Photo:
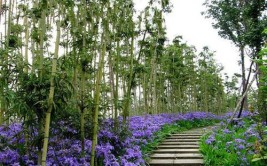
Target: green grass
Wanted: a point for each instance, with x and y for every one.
(235, 146)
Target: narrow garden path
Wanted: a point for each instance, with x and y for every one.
(180, 149)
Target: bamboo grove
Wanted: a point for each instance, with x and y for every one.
(85, 61)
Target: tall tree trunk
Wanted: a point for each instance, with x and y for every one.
(82, 110)
(51, 96)
(116, 93)
(245, 88)
(40, 58)
(140, 93)
(83, 71)
(97, 96)
(155, 100)
(130, 84)
(113, 91)
(145, 92)
(245, 102)
(42, 27)
(151, 82)
(26, 61)
(242, 97)
(5, 62)
(26, 70)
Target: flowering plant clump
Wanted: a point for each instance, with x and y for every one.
(115, 147)
(235, 145)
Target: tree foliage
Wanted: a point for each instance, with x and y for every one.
(243, 23)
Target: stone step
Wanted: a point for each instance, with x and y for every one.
(176, 151)
(179, 143)
(180, 149)
(175, 137)
(167, 162)
(191, 134)
(177, 156)
(182, 140)
(196, 132)
(178, 146)
(184, 137)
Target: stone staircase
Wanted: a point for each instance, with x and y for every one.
(180, 149)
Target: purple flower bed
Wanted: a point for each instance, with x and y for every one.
(115, 148)
(236, 145)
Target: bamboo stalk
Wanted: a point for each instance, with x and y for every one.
(42, 27)
(26, 69)
(51, 96)
(97, 97)
(83, 68)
